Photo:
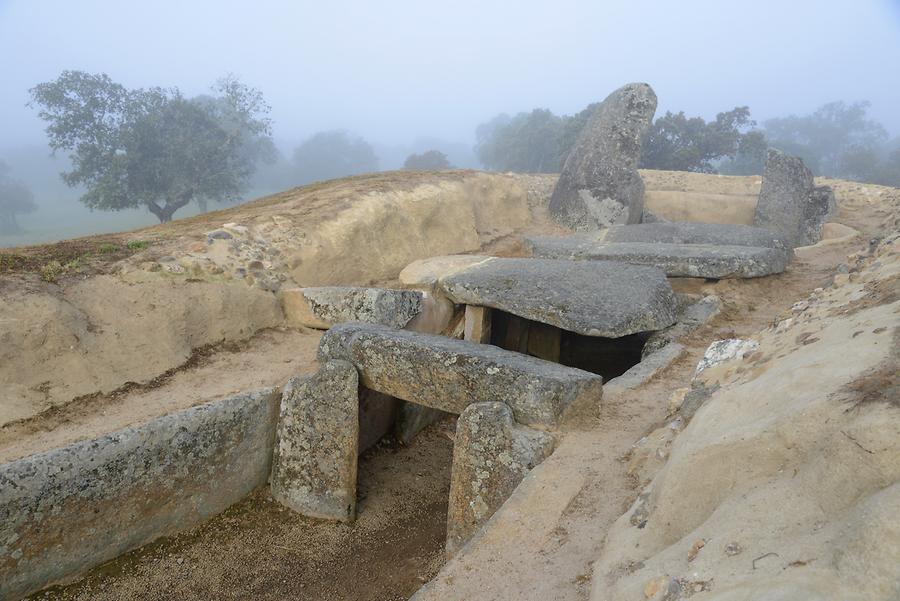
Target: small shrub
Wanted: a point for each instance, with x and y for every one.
(137, 244)
(51, 271)
(107, 248)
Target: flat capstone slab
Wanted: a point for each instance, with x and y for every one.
(450, 374)
(685, 232)
(676, 260)
(589, 298)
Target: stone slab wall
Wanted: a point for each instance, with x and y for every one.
(67, 510)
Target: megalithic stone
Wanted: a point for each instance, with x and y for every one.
(790, 203)
(317, 444)
(600, 185)
(491, 456)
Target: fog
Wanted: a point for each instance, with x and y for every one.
(409, 75)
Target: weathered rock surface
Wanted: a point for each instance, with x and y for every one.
(326, 306)
(786, 482)
(650, 365)
(70, 509)
(600, 185)
(590, 298)
(450, 374)
(683, 232)
(689, 319)
(789, 201)
(721, 351)
(491, 455)
(314, 466)
(676, 260)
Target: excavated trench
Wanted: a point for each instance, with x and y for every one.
(258, 549)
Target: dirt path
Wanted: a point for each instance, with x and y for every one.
(262, 551)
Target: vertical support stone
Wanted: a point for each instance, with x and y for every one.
(478, 324)
(317, 444)
(491, 455)
(544, 341)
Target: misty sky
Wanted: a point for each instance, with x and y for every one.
(396, 70)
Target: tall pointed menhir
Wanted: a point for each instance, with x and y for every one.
(600, 185)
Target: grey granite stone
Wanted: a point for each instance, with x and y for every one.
(491, 456)
(692, 317)
(448, 374)
(644, 371)
(67, 510)
(600, 185)
(590, 298)
(677, 260)
(314, 467)
(326, 306)
(789, 201)
(683, 232)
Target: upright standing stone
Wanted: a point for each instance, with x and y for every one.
(790, 204)
(490, 457)
(600, 185)
(314, 467)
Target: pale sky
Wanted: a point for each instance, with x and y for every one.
(396, 70)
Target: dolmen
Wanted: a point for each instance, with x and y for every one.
(680, 249)
(509, 404)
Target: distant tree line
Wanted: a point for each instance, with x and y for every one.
(837, 140)
(158, 149)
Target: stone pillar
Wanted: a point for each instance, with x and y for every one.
(317, 444)
(478, 324)
(491, 455)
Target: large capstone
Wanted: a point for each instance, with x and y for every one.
(326, 306)
(449, 374)
(589, 298)
(676, 260)
(790, 203)
(684, 232)
(314, 465)
(491, 455)
(600, 184)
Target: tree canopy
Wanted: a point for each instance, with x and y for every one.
(540, 142)
(333, 154)
(837, 139)
(430, 160)
(679, 143)
(153, 147)
(528, 142)
(15, 199)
